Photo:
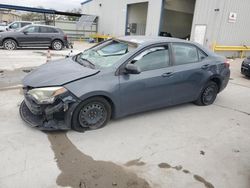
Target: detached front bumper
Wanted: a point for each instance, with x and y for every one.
(56, 116)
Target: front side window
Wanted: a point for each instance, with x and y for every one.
(185, 54)
(14, 25)
(32, 29)
(153, 58)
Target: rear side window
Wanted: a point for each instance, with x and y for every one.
(47, 30)
(153, 58)
(185, 54)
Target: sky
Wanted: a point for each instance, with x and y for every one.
(62, 5)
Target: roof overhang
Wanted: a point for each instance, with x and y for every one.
(85, 2)
(38, 10)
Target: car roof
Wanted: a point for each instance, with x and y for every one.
(23, 21)
(41, 25)
(141, 40)
(148, 40)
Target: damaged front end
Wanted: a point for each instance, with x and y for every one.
(48, 108)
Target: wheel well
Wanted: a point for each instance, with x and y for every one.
(11, 39)
(57, 39)
(217, 81)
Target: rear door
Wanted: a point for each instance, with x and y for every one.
(190, 71)
(46, 34)
(152, 87)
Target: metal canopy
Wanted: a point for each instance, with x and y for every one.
(39, 10)
(86, 21)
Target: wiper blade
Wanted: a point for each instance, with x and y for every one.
(89, 63)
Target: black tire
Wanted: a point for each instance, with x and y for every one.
(9, 44)
(91, 114)
(208, 94)
(57, 45)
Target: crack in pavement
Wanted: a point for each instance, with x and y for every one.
(234, 83)
(236, 110)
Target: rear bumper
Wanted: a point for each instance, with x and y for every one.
(50, 117)
(68, 44)
(225, 79)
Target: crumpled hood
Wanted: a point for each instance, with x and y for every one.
(57, 73)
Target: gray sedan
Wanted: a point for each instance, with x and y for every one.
(119, 77)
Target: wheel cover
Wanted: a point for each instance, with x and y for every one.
(9, 45)
(209, 94)
(92, 115)
(57, 45)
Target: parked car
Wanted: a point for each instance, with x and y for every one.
(245, 67)
(119, 77)
(14, 26)
(34, 36)
(3, 26)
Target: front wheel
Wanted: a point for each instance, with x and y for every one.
(208, 94)
(9, 44)
(92, 113)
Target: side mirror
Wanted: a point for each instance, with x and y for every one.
(132, 69)
(25, 32)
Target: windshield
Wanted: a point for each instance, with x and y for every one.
(104, 55)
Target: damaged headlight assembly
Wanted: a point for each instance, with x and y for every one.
(46, 95)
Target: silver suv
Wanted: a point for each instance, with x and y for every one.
(14, 25)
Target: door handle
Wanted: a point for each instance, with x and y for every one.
(167, 74)
(205, 66)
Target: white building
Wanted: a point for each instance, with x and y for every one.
(225, 22)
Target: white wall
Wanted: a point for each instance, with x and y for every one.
(112, 15)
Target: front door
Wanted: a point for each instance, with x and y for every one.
(152, 88)
(28, 37)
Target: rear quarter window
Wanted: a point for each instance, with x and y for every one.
(48, 30)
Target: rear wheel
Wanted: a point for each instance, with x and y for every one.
(9, 44)
(57, 45)
(208, 94)
(92, 113)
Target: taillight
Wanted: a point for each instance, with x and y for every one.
(65, 37)
(227, 63)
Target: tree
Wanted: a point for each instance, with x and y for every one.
(75, 10)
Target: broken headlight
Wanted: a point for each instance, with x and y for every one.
(46, 95)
